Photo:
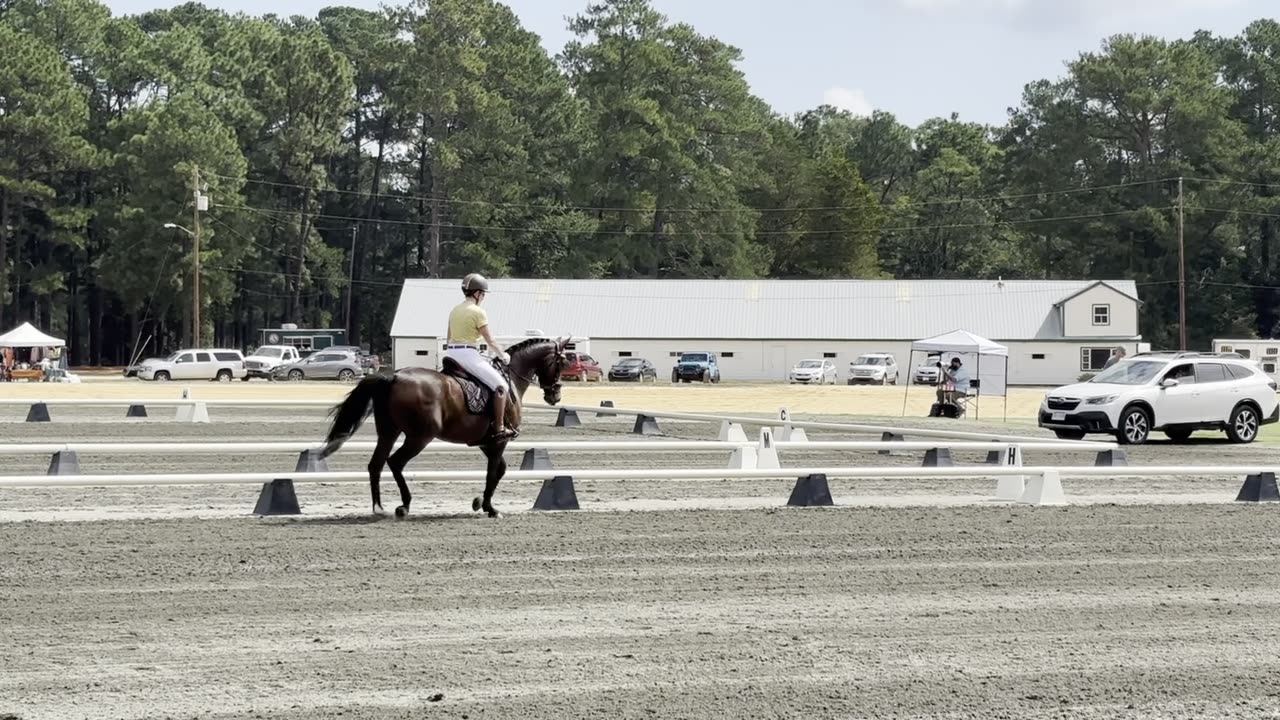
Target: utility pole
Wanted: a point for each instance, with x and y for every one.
(351, 274)
(1182, 276)
(199, 201)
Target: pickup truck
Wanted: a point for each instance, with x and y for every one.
(263, 361)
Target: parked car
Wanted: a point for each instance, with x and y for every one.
(927, 372)
(322, 365)
(637, 369)
(876, 368)
(700, 366)
(817, 372)
(581, 367)
(200, 364)
(1177, 393)
(263, 361)
(368, 360)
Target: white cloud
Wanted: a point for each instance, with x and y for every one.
(853, 100)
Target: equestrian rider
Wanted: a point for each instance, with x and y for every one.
(468, 325)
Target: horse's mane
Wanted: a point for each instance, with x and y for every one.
(529, 344)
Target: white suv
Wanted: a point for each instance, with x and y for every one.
(203, 364)
(1177, 393)
(878, 368)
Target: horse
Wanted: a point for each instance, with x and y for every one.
(427, 404)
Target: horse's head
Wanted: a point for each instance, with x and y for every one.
(543, 362)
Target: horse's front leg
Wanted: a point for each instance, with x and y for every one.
(494, 470)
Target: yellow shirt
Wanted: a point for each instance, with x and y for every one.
(465, 322)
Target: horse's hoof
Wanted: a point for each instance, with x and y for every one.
(402, 512)
(495, 514)
(475, 504)
(378, 511)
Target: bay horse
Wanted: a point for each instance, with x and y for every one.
(424, 405)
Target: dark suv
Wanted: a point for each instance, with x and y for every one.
(696, 366)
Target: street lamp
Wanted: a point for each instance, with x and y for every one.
(195, 281)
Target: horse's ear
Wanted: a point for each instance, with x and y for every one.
(562, 343)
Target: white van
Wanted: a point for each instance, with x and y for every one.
(201, 364)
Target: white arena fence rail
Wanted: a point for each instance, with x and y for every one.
(646, 423)
(731, 426)
(764, 454)
(1027, 485)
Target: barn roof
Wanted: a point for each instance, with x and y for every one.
(753, 309)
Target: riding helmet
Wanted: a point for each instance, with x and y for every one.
(475, 281)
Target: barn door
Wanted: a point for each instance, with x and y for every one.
(777, 369)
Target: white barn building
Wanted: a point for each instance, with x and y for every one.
(1055, 330)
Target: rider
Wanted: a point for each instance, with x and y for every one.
(468, 325)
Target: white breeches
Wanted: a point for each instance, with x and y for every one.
(478, 365)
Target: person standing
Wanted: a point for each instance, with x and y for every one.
(1116, 356)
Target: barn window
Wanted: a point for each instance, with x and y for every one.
(1092, 359)
(1101, 314)
(1269, 368)
(422, 353)
(1243, 353)
(624, 353)
(1272, 351)
(1037, 356)
(829, 355)
(726, 354)
(675, 354)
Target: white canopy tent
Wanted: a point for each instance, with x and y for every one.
(992, 376)
(26, 336)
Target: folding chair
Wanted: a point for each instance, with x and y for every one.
(969, 398)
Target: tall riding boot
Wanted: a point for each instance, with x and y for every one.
(500, 430)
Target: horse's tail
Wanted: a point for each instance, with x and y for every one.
(369, 394)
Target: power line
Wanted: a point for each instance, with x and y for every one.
(1234, 182)
(438, 197)
(691, 233)
(1237, 212)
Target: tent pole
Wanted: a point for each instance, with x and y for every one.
(1005, 411)
(906, 386)
(977, 409)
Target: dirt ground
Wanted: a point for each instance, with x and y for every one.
(1145, 598)
(1082, 612)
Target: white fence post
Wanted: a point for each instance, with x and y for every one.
(732, 432)
(766, 453)
(1044, 489)
(1010, 487)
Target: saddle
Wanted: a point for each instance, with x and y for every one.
(479, 398)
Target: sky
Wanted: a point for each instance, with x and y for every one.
(914, 58)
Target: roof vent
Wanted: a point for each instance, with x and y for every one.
(904, 292)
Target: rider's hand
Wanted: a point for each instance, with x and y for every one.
(506, 359)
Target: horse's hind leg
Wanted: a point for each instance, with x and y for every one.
(385, 443)
(409, 450)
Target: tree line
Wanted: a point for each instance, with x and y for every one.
(346, 152)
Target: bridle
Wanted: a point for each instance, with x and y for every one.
(533, 379)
